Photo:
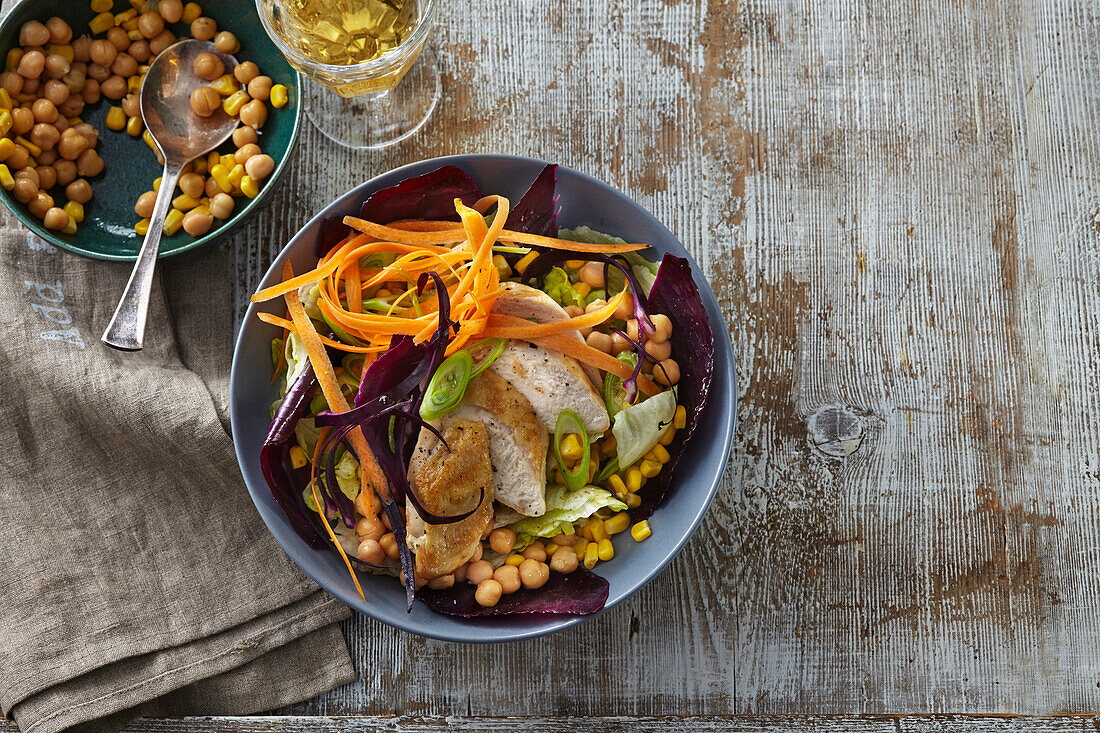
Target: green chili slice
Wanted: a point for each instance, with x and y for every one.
(447, 385)
(570, 422)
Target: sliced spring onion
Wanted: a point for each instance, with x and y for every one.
(614, 393)
(570, 422)
(605, 472)
(496, 349)
(502, 249)
(447, 385)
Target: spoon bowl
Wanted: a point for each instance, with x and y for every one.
(181, 135)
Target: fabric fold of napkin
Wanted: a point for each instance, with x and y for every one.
(137, 576)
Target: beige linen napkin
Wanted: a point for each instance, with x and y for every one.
(136, 575)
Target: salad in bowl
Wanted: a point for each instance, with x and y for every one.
(476, 402)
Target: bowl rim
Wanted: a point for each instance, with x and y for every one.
(237, 219)
(554, 622)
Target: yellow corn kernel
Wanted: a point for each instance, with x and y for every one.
(649, 468)
(101, 23)
(574, 264)
(183, 202)
(75, 210)
(25, 99)
(14, 57)
(102, 6)
(633, 480)
(6, 179)
(616, 483)
(249, 187)
(641, 530)
(579, 546)
(31, 147)
(5, 99)
(236, 175)
(130, 25)
(61, 49)
(591, 554)
(116, 119)
(70, 227)
(199, 165)
(608, 446)
(279, 96)
(680, 419)
(297, 457)
(586, 531)
(220, 174)
(233, 103)
(551, 548)
(633, 501)
(133, 84)
(525, 261)
(73, 121)
(156, 183)
(125, 17)
(605, 550)
(5, 122)
(134, 126)
(595, 526)
(212, 160)
(617, 523)
(583, 289)
(148, 138)
(660, 453)
(571, 448)
(137, 5)
(502, 266)
(226, 85)
(515, 560)
(142, 227)
(134, 35)
(173, 222)
(668, 436)
(191, 11)
(142, 69)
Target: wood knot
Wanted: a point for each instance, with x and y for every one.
(834, 430)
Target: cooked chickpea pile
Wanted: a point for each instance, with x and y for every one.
(51, 77)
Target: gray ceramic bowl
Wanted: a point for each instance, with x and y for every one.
(583, 200)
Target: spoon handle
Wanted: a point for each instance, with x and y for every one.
(127, 327)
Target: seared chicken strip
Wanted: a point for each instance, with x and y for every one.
(450, 482)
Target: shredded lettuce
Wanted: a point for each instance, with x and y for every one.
(557, 286)
(347, 475)
(296, 359)
(307, 435)
(638, 427)
(644, 270)
(564, 508)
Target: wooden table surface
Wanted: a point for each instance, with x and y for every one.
(897, 203)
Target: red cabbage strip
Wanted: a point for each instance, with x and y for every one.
(535, 212)
(674, 293)
(579, 593)
(428, 196)
(275, 459)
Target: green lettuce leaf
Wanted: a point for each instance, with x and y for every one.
(638, 427)
(296, 359)
(564, 508)
(557, 286)
(347, 475)
(644, 270)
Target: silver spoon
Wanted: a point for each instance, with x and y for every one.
(182, 136)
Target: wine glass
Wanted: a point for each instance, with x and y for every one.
(369, 81)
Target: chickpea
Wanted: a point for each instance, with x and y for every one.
(45, 135)
(564, 560)
(90, 133)
(56, 66)
(47, 157)
(30, 86)
(244, 135)
(47, 176)
(40, 204)
(502, 540)
(19, 158)
(34, 33)
(170, 10)
(667, 372)
(488, 593)
(89, 164)
(60, 32)
(150, 24)
(76, 77)
(114, 87)
(260, 88)
(82, 50)
(98, 72)
(208, 66)
(204, 28)
(212, 190)
(254, 114)
(245, 152)
(477, 553)
(119, 38)
(659, 351)
(24, 190)
(125, 65)
(591, 273)
(601, 341)
(564, 540)
(221, 205)
(442, 583)
(80, 191)
(460, 574)
(226, 42)
(131, 106)
(619, 344)
(140, 51)
(44, 111)
(259, 166)
(246, 72)
(508, 577)
(368, 528)
(369, 550)
(662, 326)
(161, 41)
(30, 174)
(22, 120)
(573, 311)
(12, 82)
(55, 218)
(103, 52)
(66, 172)
(479, 571)
(144, 209)
(72, 107)
(389, 544)
(56, 92)
(535, 551)
(205, 101)
(534, 574)
(31, 65)
(595, 305)
(625, 308)
(192, 184)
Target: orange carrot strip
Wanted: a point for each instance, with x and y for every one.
(585, 354)
(324, 519)
(293, 283)
(503, 326)
(353, 287)
(289, 325)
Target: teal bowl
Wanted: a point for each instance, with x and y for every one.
(107, 231)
